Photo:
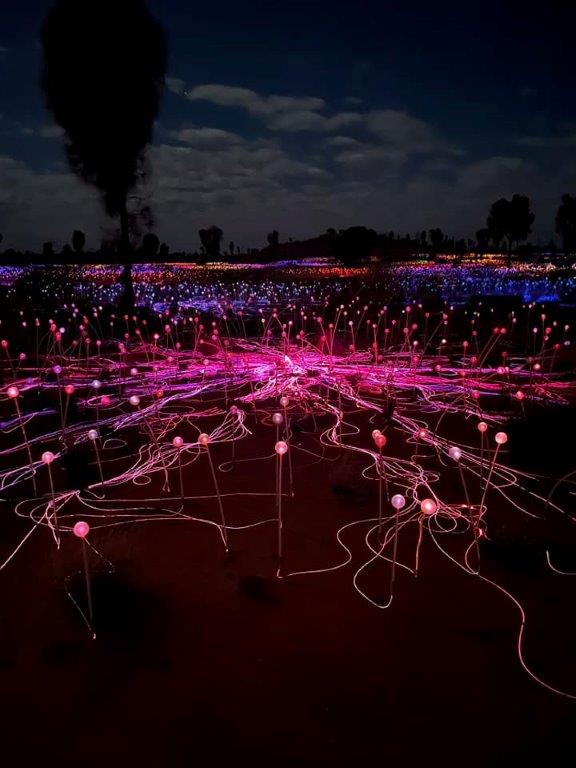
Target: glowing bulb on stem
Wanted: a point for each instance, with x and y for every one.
(204, 440)
(455, 453)
(81, 530)
(428, 506)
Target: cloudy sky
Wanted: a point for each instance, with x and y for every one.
(301, 116)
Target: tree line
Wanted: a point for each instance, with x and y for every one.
(509, 223)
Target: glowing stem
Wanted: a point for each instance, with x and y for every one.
(27, 444)
(87, 580)
(220, 505)
(279, 509)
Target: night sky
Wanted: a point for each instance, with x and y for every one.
(303, 116)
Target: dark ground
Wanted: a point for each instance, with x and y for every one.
(203, 658)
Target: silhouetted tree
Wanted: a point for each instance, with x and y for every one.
(437, 239)
(273, 239)
(483, 239)
(566, 223)
(231, 247)
(67, 253)
(211, 239)
(78, 241)
(164, 253)
(460, 247)
(104, 68)
(354, 244)
(510, 220)
(48, 251)
(150, 245)
(140, 221)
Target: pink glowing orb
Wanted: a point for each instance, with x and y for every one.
(69, 389)
(375, 433)
(93, 434)
(284, 402)
(177, 442)
(482, 426)
(455, 453)
(380, 441)
(281, 448)
(501, 438)
(398, 501)
(57, 370)
(422, 434)
(204, 439)
(81, 529)
(234, 410)
(519, 395)
(96, 384)
(12, 392)
(47, 457)
(277, 419)
(135, 400)
(133, 371)
(105, 400)
(428, 507)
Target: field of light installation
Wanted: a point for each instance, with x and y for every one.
(258, 466)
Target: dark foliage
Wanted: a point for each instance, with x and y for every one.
(104, 68)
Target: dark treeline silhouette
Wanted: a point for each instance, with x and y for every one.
(566, 223)
(104, 69)
(211, 240)
(509, 223)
